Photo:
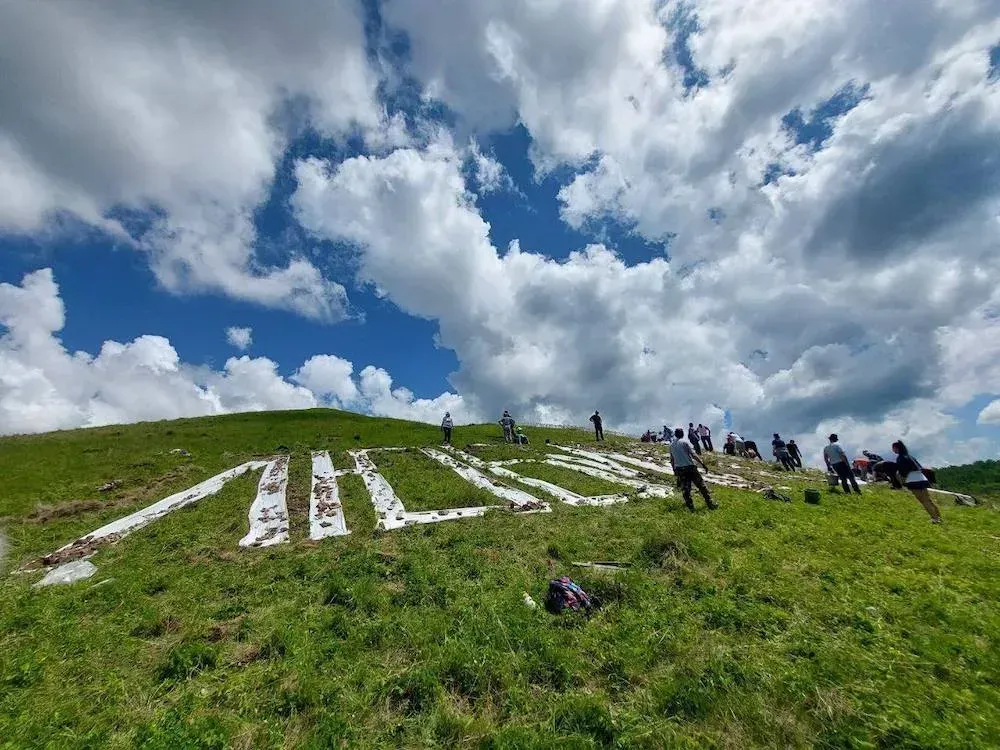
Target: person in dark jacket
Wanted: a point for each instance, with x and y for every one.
(795, 453)
(598, 425)
(694, 438)
(914, 479)
(780, 451)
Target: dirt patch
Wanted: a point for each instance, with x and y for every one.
(80, 548)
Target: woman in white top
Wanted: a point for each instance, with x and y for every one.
(912, 475)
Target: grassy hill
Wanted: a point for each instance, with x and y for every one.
(981, 478)
(854, 623)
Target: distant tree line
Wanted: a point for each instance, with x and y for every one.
(980, 478)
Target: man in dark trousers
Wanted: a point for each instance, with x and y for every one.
(694, 438)
(706, 437)
(598, 425)
(837, 462)
(682, 460)
(795, 453)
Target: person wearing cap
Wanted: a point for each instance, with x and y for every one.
(837, 463)
(446, 427)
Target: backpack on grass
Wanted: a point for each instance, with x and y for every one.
(565, 594)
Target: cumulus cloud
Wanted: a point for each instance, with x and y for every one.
(829, 193)
(990, 414)
(178, 121)
(45, 387)
(239, 337)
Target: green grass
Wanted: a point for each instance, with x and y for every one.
(854, 623)
(574, 481)
(424, 484)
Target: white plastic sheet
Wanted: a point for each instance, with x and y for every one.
(268, 513)
(326, 514)
(519, 499)
(69, 572)
(85, 546)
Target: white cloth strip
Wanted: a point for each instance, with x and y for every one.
(85, 546)
(621, 470)
(518, 498)
(566, 496)
(326, 513)
(268, 513)
(388, 507)
(645, 488)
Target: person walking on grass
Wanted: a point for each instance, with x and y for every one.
(446, 427)
(914, 479)
(682, 460)
(795, 453)
(598, 425)
(837, 463)
(706, 437)
(507, 422)
(694, 438)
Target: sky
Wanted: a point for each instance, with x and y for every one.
(774, 215)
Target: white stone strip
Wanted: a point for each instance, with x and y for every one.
(518, 499)
(621, 470)
(85, 546)
(326, 514)
(567, 496)
(960, 497)
(645, 488)
(268, 512)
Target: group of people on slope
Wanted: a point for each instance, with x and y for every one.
(787, 454)
(910, 473)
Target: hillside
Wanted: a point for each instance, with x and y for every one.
(852, 623)
(981, 478)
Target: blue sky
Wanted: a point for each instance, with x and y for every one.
(700, 228)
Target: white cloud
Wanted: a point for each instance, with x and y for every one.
(45, 387)
(178, 109)
(990, 414)
(239, 337)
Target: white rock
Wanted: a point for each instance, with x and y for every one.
(77, 570)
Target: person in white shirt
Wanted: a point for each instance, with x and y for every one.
(682, 460)
(706, 437)
(838, 463)
(446, 427)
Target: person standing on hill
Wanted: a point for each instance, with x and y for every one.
(706, 437)
(446, 427)
(507, 422)
(598, 425)
(781, 453)
(682, 460)
(694, 438)
(915, 480)
(837, 463)
(795, 453)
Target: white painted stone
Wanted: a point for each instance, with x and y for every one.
(326, 514)
(519, 499)
(69, 572)
(268, 513)
(85, 545)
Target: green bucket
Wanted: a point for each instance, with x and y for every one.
(812, 496)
